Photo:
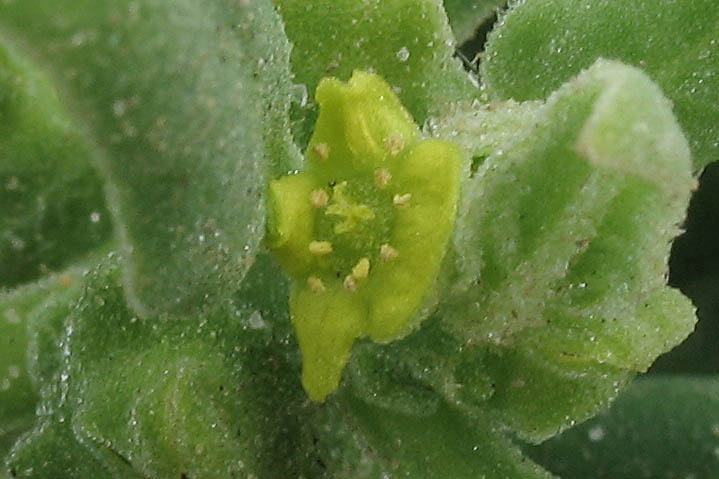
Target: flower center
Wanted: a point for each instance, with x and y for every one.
(355, 229)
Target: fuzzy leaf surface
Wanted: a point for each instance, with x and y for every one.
(31, 326)
(174, 95)
(160, 398)
(566, 281)
(443, 444)
(539, 45)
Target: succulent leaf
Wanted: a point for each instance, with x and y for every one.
(538, 45)
(174, 97)
(567, 277)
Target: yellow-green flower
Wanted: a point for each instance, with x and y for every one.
(363, 230)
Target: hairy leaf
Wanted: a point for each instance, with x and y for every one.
(32, 320)
(31, 327)
(158, 398)
(174, 95)
(443, 444)
(541, 44)
(563, 240)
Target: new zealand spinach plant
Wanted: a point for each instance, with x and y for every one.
(304, 239)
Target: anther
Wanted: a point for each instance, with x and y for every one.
(320, 248)
(387, 253)
(319, 198)
(322, 150)
(316, 284)
(402, 201)
(361, 269)
(382, 177)
(350, 283)
(395, 144)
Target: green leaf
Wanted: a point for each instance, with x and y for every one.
(51, 448)
(407, 42)
(534, 393)
(390, 376)
(659, 427)
(63, 456)
(694, 268)
(31, 324)
(443, 444)
(539, 45)
(175, 95)
(570, 272)
(570, 188)
(539, 395)
(698, 354)
(204, 398)
(466, 15)
(52, 206)
(207, 398)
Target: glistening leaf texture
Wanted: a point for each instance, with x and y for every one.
(569, 275)
(164, 398)
(32, 330)
(538, 45)
(173, 94)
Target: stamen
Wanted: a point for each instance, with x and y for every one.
(361, 269)
(319, 198)
(320, 248)
(316, 284)
(395, 144)
(350, 283)
(382, 177)
(387, 253)
(322, 150)
(402, 201)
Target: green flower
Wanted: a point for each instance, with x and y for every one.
(363, 230)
